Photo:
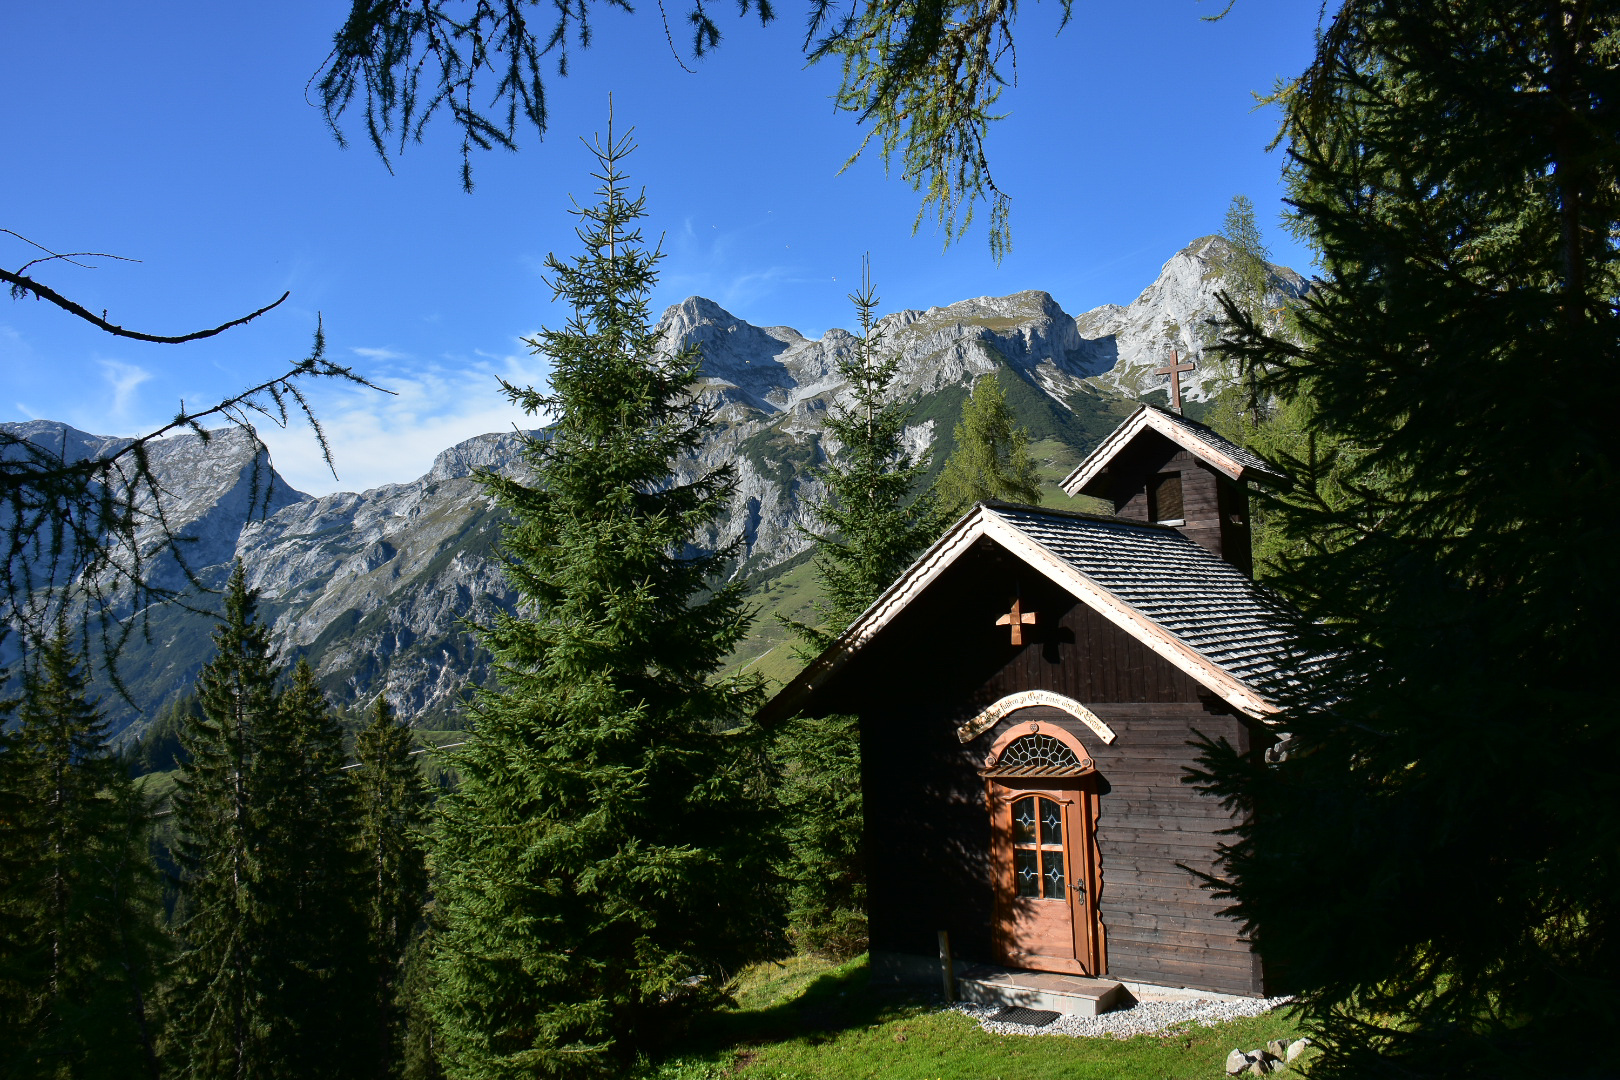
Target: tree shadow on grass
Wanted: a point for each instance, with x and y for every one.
(840, 1000)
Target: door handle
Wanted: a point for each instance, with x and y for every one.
(1079, 888)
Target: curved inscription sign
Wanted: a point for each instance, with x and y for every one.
(1023, 700)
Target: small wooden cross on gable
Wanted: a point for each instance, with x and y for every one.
(1174, 369)
(1017, 618)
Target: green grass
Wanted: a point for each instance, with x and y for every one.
(807, 1020)
(158, 787)
(768, 648)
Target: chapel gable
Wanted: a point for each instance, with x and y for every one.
(1161, 468)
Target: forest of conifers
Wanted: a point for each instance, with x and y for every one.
(1436, 864)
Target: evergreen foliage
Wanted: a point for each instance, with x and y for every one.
(229, 1016)
(159, 749)
(312, 839)
(991, 460)
(269, 931)
(604, 864)
(419, 1038)
(16, 849)
(394, 800)
(818, 788)
(874, 521)
(1435, 866)
(78, 899)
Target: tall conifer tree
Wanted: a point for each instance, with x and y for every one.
(270, 981)
(231, 1016)
(874, 520)
(16, 856)
(393, 802)
(991, 459)
(871, 526)
(79, 896)
(1435, 867)
(313, 832)
(601, 867)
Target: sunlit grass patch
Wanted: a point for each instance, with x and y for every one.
(806, 1019)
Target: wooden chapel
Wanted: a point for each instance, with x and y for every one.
(1027, 693)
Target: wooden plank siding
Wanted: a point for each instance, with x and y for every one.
(942, 660)
(1214, 508)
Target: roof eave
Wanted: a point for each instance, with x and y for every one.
(1087, 471)
(1080, 481)
(984, 521)
(929, 565)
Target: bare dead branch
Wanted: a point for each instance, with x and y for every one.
(21, 285)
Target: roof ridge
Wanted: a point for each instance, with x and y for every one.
(1102, 519)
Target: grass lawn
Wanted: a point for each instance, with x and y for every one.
(805, 1020)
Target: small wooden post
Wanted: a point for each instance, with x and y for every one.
(947, 969)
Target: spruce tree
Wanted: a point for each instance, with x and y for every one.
(16, 857)
(419, 1037)
(872, 524)
(1435, 866)
(394, 800)
(603, 865)
(79, 896)
(312, 832)
(991, 459)
(158, 749)
(230, 1015)
(818, 789)
(874, 520)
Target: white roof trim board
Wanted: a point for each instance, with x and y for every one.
(1198, 440)
(1187, 567)
(1025, 699)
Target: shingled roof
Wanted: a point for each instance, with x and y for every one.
(1185, 604)
(1202, 442)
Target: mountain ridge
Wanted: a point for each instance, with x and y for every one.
(378, 589)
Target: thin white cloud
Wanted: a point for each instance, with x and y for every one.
(380, 439)
(123, 378)
(378, 354)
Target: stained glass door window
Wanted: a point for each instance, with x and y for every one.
(1037, 832)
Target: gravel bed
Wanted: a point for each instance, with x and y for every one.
(1143, 1018)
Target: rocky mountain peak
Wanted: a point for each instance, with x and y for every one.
(1177, 311)
(67, 443)
(378, 588)
(496, 452)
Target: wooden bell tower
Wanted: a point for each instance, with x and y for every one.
(1161, 468)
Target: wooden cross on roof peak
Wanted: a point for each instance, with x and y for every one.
(1017, 618)
(1174, 369)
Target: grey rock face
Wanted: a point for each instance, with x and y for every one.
(209, 488)
(377, 589)
(1175, 312)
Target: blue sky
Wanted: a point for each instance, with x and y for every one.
(179, 134)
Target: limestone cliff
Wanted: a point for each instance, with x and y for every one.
(379, 589)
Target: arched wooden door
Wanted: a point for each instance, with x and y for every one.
(1043, 806)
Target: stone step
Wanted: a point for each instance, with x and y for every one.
(1074, 994)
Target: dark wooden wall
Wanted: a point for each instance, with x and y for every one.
(1215, 509)
(1162, 926)
(940, 662)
